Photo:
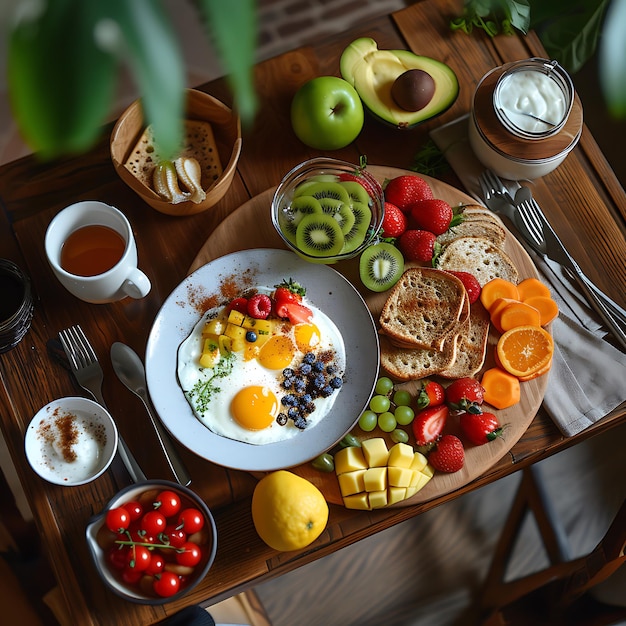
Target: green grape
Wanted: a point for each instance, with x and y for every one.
(380, 404)
(383, 385)
(387, 422)
(404, 415)
(324, 463)
(399, 436)
(368, 421)
(402, 398)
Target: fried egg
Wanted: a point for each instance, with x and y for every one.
(242, 396)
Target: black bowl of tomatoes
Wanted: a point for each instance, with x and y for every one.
(153, 542)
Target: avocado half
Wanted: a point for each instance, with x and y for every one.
(372, 73)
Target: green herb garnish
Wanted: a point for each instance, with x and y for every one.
(201, 393)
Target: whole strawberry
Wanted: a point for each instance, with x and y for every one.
(481, 428)
(465, 394)
(432, 215)
(406, 189)
(432, 393)
(471, 284)
(418, 245)
(448, 455)
(394, 221)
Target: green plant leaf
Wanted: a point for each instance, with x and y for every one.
(235, 36)
(612, 58)
(60, 83)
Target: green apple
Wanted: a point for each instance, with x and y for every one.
(326, 113)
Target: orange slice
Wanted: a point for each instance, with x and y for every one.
(525, 350)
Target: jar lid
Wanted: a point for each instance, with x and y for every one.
(498, 117)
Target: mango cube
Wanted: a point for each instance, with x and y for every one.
(236, 318)
(210, 353)
(357, 501)
(351, 482)
(214, 327)
(349, 459)
(401, 455)
(375, 452)
(263, 328)
(396, 494)
(377, 499)
(419, 462)
(399, 476)
(235, 332)
(375, 479)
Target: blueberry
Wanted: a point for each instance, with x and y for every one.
(300, 422)
(309, 358)
(331, 369)
(299, 385)
(327, 391)
(289, 400)
(288, 373)
(335, 382)
(281, 419)
(318, 366)
(319, 381)
(250, 336)
(305, 369)
(293, 412)
(305, 398)
(287, 383)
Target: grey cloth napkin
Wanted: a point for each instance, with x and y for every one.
(588, 375)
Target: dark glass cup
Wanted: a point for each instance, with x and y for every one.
(16, 305)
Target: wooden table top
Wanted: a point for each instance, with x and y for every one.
(583, 198)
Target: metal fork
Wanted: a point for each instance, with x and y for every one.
(88, 372)
(496, 195)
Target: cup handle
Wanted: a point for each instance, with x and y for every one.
(137, 284)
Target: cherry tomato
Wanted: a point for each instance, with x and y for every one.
(117, 519)
(153, 522)
(156, 565)
(138, 557)
(135, 510)
(131, 575)
(136, 533)
(117, 557)
(191, 521)
(175, 536)
(191, 555)
(166, 584)
(167, 503)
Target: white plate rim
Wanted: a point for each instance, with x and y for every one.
(328, 290)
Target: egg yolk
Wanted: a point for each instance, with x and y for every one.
(254, 408)
(307, 336)
(277, 352)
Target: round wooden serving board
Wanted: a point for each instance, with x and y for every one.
(250, 227)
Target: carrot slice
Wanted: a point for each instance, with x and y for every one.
(519, 314)
(530, 287)
(496, 311)
(498, 288)
(502, 389)
(547, 307)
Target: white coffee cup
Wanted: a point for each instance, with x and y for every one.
(121, 280)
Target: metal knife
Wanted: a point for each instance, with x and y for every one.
(611, 313)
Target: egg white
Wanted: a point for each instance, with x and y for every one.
(217, 416)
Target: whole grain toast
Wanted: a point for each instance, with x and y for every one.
(475, 227)
(422, 309)
(479, 257)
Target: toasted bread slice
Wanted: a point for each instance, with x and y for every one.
(479, 257)
(422, 309)
(415, 363)
(475, 227)
(477, 211)
(198, 142)
(472, 345)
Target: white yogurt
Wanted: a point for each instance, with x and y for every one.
(526, 95)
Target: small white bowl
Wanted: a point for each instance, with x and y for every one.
(71, 441)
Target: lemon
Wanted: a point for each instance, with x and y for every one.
(288, 511)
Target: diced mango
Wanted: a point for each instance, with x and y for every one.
(357, 501)
(210, 353)
(214, 327)
(419, 462)
(349, 459)
(399, 476)
(375, 452)
(236, 318)
(377, 499)
(235, 332)
(225, 345)
(351, 482)
(375, 479)
(400, 455)
(422, 479)
(396, 494)
(260, 327)
(428, 471)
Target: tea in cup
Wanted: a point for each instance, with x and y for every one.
(92, 251)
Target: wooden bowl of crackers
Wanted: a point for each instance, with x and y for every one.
(211, 148)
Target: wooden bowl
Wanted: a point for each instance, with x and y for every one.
(200, 106)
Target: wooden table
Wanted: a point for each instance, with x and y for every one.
(583, 199)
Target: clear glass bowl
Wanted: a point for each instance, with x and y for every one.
(323, 189)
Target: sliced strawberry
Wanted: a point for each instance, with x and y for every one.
(429, 423)
(238, 304)
(448, 455)
(298, 313)
(288, 292)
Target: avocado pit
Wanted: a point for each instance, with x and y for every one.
(413, 90)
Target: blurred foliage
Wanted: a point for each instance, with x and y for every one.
(64, 57)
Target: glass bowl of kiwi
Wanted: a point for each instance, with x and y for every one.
(327, 210)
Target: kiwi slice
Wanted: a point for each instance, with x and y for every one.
(330, 205)
(319, 234)
(381, 266)
(322, 190)
(291, 216)
(345, 217)
(356, 191)
(357, 233)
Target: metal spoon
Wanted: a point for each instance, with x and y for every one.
(130, 370)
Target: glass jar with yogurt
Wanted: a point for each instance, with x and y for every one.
(526, 118)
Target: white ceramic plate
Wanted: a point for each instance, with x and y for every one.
(327, 290)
